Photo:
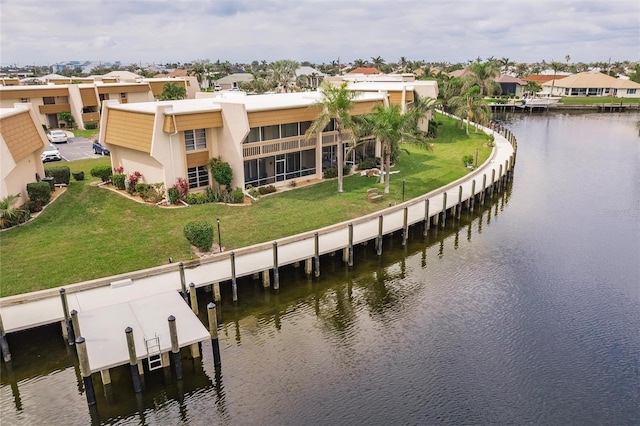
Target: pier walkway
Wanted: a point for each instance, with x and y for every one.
(26, 311)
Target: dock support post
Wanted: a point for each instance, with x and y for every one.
(75, 324)
(350, 246)
(67, 332)
(484, 188)
(133, 361)
(443, 214)
(216, 291)
(499, 182)
(266, 279)
(4, 345)
(175, 347)
(459, 207)
(425, 231)
(213, 332)
(379, 242)
(85, 371)
(193, 298)
(276, 275)
(105, 376)
(308, 266)
(405, 226)
(183, 282)
(493, 181)
(234, 284)
(317, 254)
(472, 199)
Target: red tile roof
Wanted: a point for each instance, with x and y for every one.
(364, 70)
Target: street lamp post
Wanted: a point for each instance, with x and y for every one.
(219, 236)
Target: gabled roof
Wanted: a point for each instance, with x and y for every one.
(178, 73)
(504, 78)
(122, 75)
(364, 70)
(309, 71)
(541, 78)
(234, 78)
(593, 80)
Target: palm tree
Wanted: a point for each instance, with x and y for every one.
(556, 66)
(10, 214)
(482, 74)
(172, 91)
(199, 69)
(471, 106)
(283, 71)
(533, 87)
(391, 126)
(506, 64)
(378, 62)
(336, 105)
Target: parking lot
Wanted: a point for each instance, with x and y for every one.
(77, 148)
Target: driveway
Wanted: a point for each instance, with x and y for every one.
(77, 148)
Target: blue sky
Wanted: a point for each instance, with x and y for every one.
(160, 31)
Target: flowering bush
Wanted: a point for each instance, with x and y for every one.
(118, 169)
(182, 185)
(132, 180)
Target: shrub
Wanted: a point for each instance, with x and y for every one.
(197, 198)
(266, 189)
(154, 193)
(330, 172)
(132, 181)
(173, 194)
(467, 160)
(253, 191)
(199, 234)
(103, 172)
(39, 195)
(92, 125)
(142, 189)
(221, 171)
(118, 180)
(78, 175)
(182, 186)
(10, 215)
(238, 196)
(368, 163)
(60, 174)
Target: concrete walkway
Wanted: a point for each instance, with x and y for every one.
(39, 308)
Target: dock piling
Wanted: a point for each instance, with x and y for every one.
(317, 254)
(67, 332)
(133, 361)
(379, 241)
(85, 370)
(4, 345)
(75, 324)
(443, 214)
(213, 331)
(459, 206)
(175, 347)
(405, 226)
(425, 231)
(276, 275)
(193, 298)
(234, 284)
(350, 246)
(183, 282)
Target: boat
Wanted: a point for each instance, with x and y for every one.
(539, 102)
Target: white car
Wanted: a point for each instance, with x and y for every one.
(57, 136)
(51, 154)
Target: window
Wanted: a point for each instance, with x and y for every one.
(631, 91)
(289, 129)
(49, 100)
(123, 96)
(271, 132)
(198, 176)
(24, 100)
(195, 139)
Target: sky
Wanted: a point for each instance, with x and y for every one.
(44, 32)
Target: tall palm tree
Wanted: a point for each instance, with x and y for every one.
(283, 71)
(172, 91)
(378, 62)
(471, 106)
(336, 105)
(391, 127)
(482, 74)
(556, 66)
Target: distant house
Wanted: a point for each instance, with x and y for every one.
(511, 85)
(312, 75)
(592, 84)
(541, 78)
(231, 81)
(22, 140)
(365, 71)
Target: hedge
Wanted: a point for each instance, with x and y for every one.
(118, 180)
(60, 174)
(199, 234)
(103, 172)
(39, 195)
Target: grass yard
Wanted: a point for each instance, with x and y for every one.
(598, 100)
(89, 232)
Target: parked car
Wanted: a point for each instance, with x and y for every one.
(98, 148)
(57, 136)
(51, 154)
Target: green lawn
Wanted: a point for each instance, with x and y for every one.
(89, 232)
(598, 100)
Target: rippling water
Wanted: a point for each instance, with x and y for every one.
(526, 312)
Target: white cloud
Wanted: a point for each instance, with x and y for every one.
(33, 31)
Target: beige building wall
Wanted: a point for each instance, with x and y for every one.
(22, 140)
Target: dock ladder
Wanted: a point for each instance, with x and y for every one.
(154, 356)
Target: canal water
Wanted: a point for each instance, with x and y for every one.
(526, 311)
